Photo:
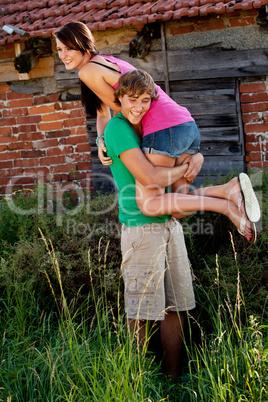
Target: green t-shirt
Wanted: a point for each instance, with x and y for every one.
(120, 137)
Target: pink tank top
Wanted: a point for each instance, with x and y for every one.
(163, 113)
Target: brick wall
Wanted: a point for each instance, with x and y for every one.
(254, 105)
(42, 139)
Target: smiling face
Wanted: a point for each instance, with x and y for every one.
(73, 59)
(134, 107)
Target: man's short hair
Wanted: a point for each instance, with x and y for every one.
(135, 82)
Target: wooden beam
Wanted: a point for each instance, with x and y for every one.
(44, 68)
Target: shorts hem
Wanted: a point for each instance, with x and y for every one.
(147, 150)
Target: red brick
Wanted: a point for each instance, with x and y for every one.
(20, 145)
(64, 168)
(56, 125)
(5, 131)
(252, 147)
(77, 139)
(3, 148)
(182, 29)
(15, 112)
(8, 122)
(48, 161)
(40, 110)
(46, 143)
(12, 155)
(254, 107)
(37, 171)
(60, 151)
(19, 103)
(71, 105)
(32, 154)
(79, 130)
(254, 97)
(4, 87)
(16, 96)
(6, 139)
(30, 136)
(241, 22)
(58, 134)
(24, 128)
(6, 164)
(40, 100)
(254, 156)
(77, 176)
(253, 87)
(210, 24)
(83, 148)
(256, 128)
(55, 116)
(77, 113)
(75, 122)
(4, 181)
(84, 165)
(28, 119)
(26, 162)
(11, 172)
(79, 157)
(251, 117)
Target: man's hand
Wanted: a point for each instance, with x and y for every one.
(195, 163)
(105, 160)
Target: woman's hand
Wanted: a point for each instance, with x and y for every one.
(105, 160)
(195, 164)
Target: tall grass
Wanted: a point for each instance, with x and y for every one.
(68, 356)
(63, 332)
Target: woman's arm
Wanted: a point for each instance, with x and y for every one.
(100, 82)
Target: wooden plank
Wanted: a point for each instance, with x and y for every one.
(209, 108)
(215, 62)
(220, 148)
(44, 68)
(219, 120)
(230, 134)
(210, 95)
(200, 85)
(215, 165)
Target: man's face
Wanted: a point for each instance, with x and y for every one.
(134, 107)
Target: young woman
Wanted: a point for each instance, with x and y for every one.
(135, 92)
(99, 75)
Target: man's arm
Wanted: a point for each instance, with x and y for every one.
(148, 175)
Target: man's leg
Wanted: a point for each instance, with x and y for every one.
(138, 327)
(171, 330)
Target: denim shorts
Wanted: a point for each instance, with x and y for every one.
(173, 141)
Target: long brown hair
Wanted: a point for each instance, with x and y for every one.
(77, 36)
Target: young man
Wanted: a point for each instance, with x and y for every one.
(155, 265)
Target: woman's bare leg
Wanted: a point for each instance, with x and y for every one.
(206, 200)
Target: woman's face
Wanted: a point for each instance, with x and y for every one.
(73, 59)
(134, 107)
